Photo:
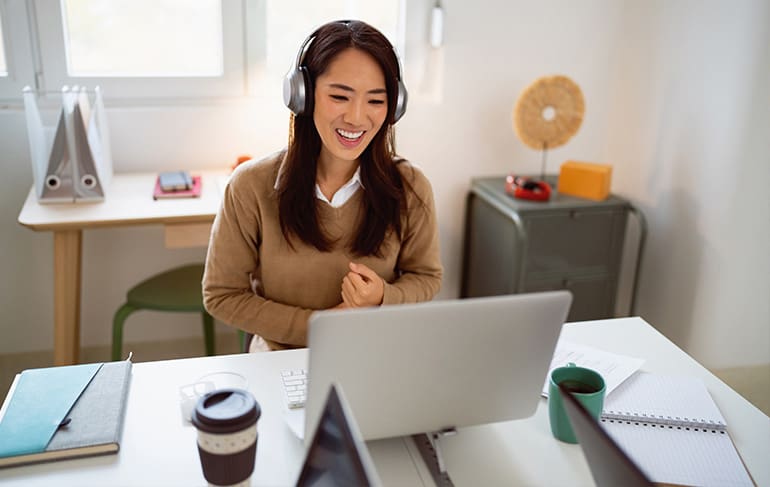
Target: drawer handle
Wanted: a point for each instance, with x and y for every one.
(574, 214)
(566, 283)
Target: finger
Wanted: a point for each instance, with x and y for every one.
(356, 280)
(347, 287)
(345, 297)
(349, 298)
(363, 270)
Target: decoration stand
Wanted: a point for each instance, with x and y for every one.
(546, 115)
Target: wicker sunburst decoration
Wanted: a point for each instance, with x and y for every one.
(548, 113)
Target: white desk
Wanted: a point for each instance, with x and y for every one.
(158, 450)
(128, 201)
(525, 451)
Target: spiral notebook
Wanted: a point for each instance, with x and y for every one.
(674, 430)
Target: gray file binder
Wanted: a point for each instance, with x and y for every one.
(71, 160)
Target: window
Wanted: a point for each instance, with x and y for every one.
(143, 48)
(284, 38)
(169, 49)
(152, 38)
(287, 23)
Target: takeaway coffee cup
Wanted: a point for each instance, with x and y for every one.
(588, 388)
(226, 420)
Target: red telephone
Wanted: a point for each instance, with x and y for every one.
(527, 189)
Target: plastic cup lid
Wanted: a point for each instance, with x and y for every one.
(225, 411)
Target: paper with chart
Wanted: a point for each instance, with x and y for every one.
(613, 367)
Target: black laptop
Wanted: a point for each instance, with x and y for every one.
(609, 464)
(337, 456)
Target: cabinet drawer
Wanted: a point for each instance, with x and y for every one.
(592, 297)
(585, 240)
(491, 252)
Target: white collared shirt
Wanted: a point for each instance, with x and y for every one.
(342, 195)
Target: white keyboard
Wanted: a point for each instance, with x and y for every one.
(295, 387)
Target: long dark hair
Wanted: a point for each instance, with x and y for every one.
(384, 195)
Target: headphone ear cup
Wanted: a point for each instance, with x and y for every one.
(296, 91)
(401, 99)
(307, 92)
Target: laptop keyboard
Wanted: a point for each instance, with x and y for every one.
(295, 387)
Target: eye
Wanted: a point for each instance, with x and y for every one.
(377, 102)
(339, 97)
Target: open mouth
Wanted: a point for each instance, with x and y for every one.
(351, 136)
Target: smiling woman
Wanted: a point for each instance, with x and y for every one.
(337, 220)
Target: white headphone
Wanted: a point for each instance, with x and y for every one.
(298, 89)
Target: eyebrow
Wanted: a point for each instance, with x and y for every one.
(340, 86)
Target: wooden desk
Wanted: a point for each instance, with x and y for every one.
(128, 202)
(157, 449)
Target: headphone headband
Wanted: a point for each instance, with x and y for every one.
(298, 88)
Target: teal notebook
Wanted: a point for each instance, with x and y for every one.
(64, 412)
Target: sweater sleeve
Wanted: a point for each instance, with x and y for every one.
(419, 271)
(233, 258)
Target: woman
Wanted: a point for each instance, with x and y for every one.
(336, 220)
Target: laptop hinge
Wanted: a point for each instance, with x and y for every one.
(433, 436)
(430, 449)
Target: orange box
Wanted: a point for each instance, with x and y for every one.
(585, 180)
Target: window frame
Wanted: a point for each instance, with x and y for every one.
(19, 54)
(5, 70)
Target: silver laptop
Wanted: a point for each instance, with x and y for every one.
(417, 368)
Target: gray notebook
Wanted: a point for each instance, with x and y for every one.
(95, 422)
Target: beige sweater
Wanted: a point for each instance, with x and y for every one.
(247, 243)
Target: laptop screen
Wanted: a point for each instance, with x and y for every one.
(337, 455)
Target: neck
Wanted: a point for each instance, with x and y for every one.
(332, 174)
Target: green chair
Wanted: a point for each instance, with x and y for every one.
(177, 290)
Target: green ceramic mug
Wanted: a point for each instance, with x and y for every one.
(586, 385)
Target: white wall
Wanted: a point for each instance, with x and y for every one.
(678, 100)
(690, 123)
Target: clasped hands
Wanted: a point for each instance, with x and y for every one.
(361, 287)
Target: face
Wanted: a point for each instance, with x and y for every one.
(351, 104)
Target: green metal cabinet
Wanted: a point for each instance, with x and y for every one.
(516, 246)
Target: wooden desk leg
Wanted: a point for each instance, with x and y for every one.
(66, 289)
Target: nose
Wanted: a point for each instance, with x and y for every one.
(356, 113)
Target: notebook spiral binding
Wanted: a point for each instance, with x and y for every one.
(664, 420)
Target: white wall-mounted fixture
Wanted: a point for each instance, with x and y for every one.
(437, 25)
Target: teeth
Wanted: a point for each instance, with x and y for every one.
(350, 135)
